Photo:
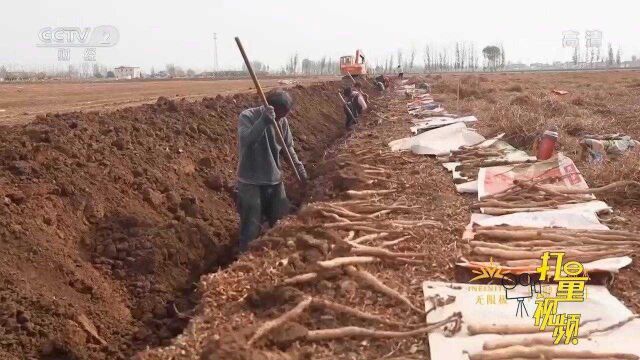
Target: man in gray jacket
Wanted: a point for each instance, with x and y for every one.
(261, 194)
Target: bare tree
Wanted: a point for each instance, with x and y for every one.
(95, 71)
(293, 64)
(445, 59)
(427, 58)
(85, 69)
(473, 60)
(610, 59)
(412, 57)
(171, 70)
(306, 66)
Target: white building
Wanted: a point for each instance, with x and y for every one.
(126, 72)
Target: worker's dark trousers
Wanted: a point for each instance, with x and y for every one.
(257, 203)
(350, 121)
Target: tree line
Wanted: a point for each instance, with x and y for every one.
(459, 56)
(592, 56)
(462, 56)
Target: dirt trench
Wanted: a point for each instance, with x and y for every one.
(364, 194)
(108, 219)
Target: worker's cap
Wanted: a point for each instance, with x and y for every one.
(278, 98)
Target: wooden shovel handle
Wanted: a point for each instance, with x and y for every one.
(265, 103)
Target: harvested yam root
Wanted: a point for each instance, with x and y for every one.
(438, 301)
(547, 340)
(476, 329)
(343, 261)
(530, 194)
(329, 305)
(275, 323)
(471, 154)
(358, 332)
(350, 331)
(546, 352)
(335, 216)
(613, 186)
(301, 279)
(367, 193)
(383, 253)
(511, 329)
(368, 279)
(536, 254)
(369, 237)
(396, 241)
(552, 246)
(503, 211)
(527, 197)
(524, 233)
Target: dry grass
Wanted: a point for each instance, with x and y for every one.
(515, 88)
(469, 87)
(524, 118)
(626, 167)
(597, 103)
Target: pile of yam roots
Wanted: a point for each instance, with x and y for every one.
(359, 232)
(528, 342)
(337, 240)
(522, 246)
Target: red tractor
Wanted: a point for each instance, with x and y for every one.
(353, 66)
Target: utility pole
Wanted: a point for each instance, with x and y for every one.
(215, 52)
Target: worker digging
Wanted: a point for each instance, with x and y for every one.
(354, 106)
(307, 203)
(261, 194)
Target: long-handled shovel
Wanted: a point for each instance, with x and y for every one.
(346, 106)
(265, 103)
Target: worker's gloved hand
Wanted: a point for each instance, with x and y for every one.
(269, 112)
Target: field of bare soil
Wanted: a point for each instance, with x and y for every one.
(110, 218)
(21, 102)
(403, 204)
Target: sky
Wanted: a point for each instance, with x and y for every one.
(155, 33)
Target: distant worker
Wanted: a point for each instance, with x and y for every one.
(358, 87)
(355, 105)
(400, 72)
(382, 82)
(261, 193)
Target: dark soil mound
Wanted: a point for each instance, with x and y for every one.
(107, 219)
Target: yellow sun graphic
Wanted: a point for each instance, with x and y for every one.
(493, 271)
